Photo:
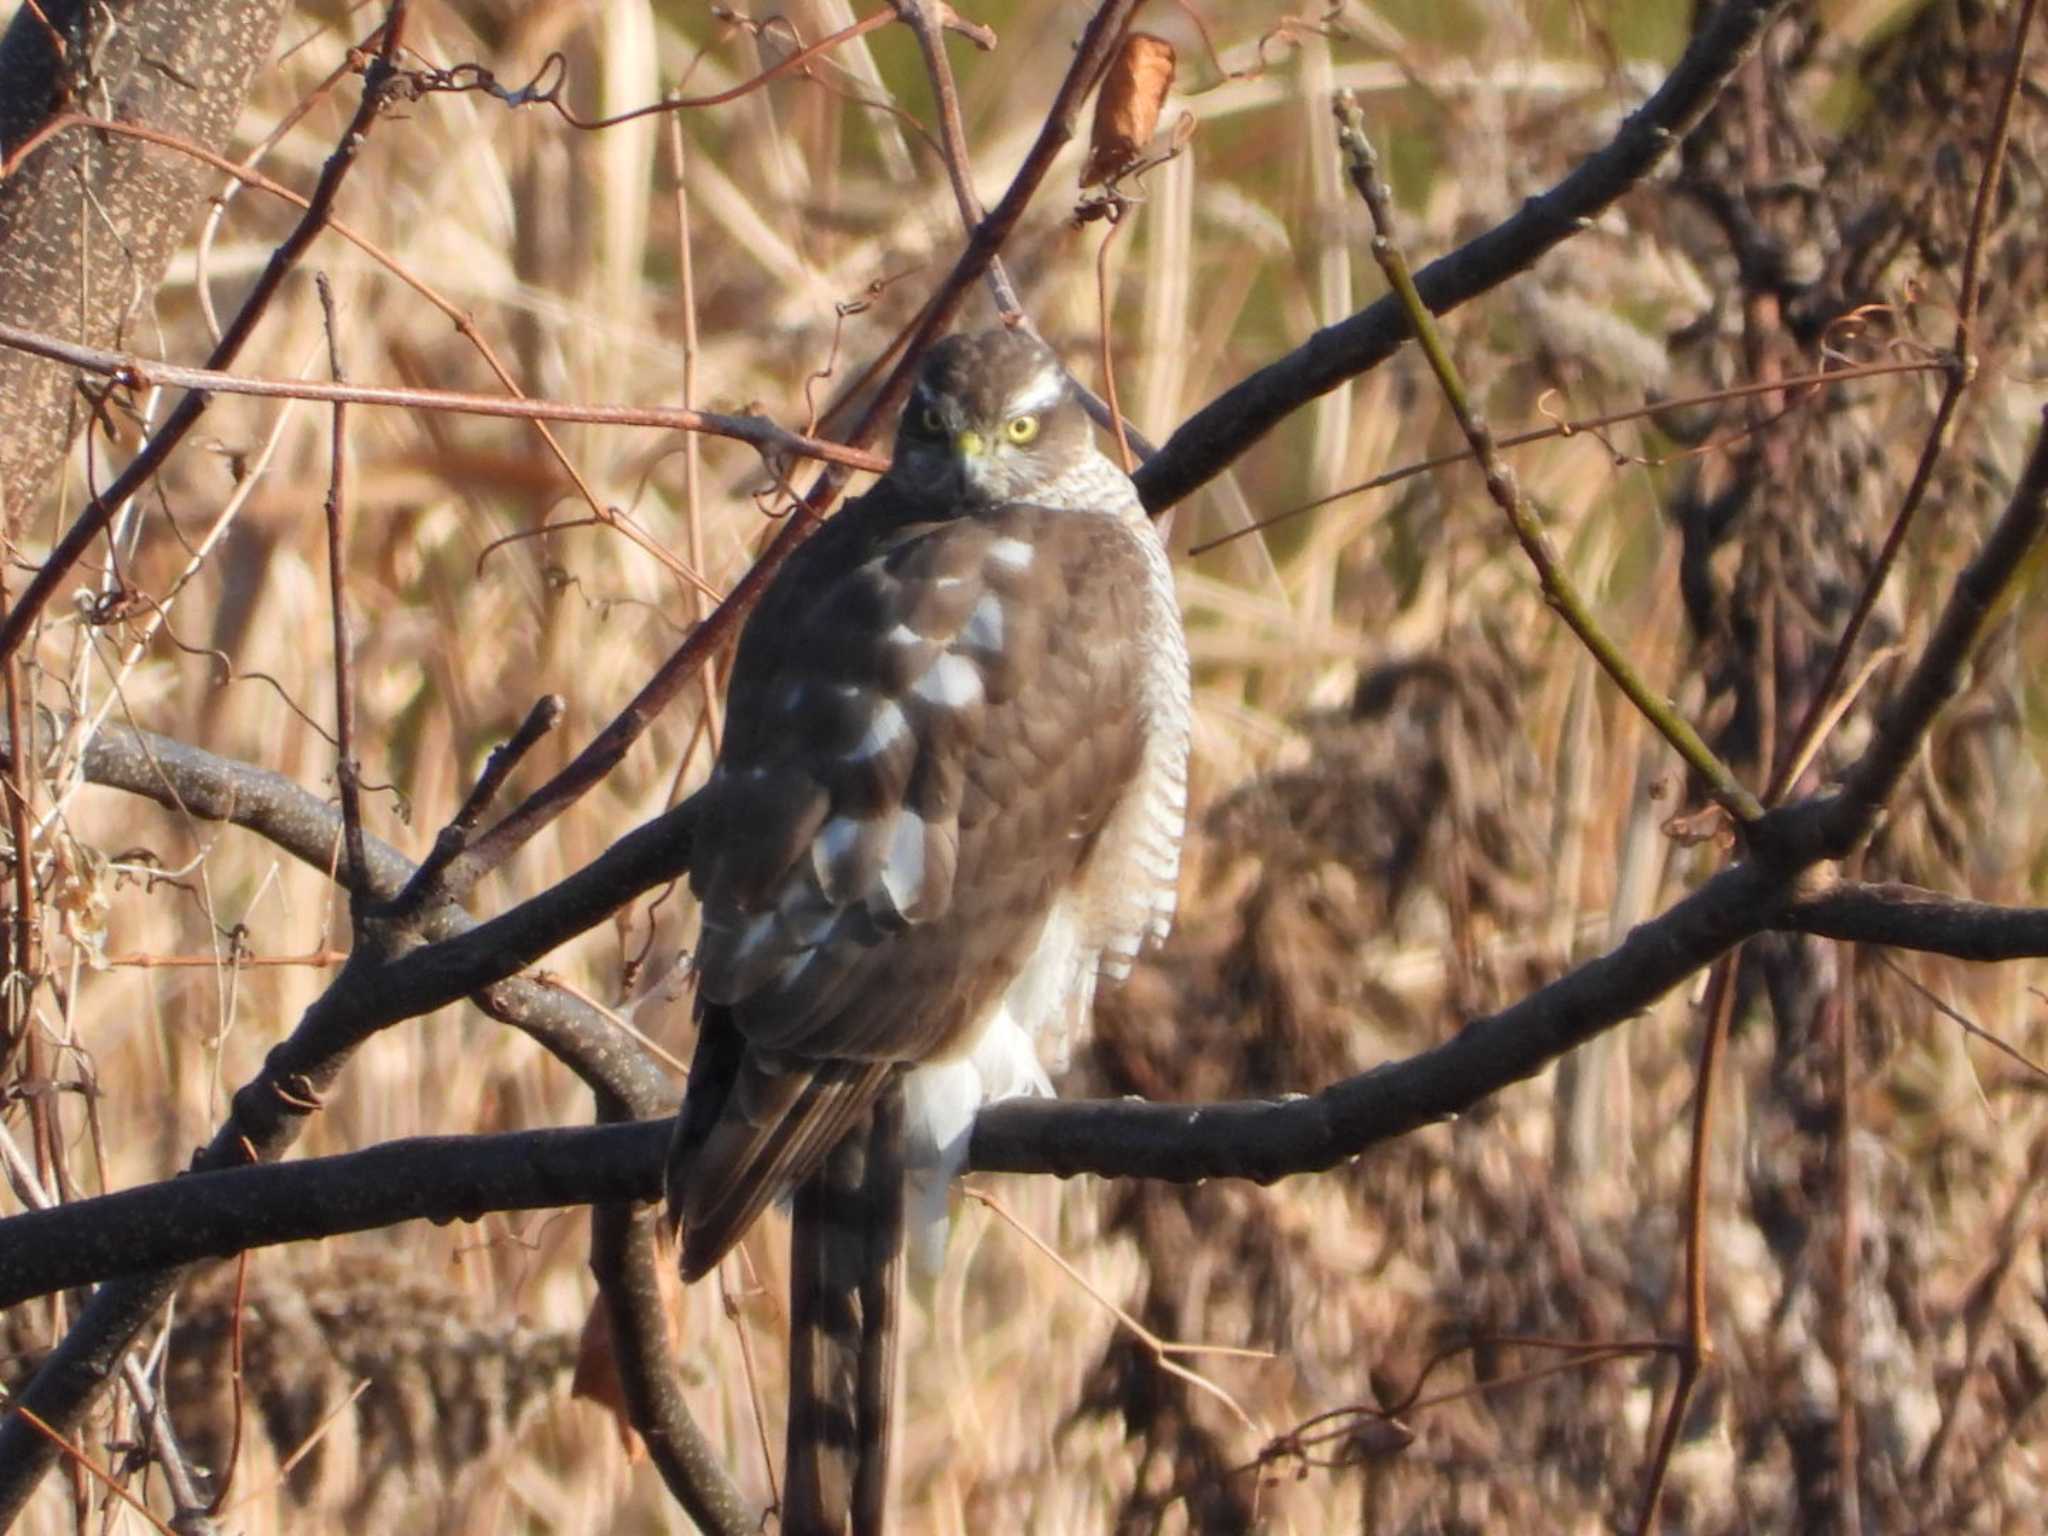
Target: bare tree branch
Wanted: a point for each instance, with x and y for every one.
(1910, 917)
(424, 1178)
(463, 1177)
(215, 788)
(1208, 441)
(134, 372)
(1846, 818)
(375, 989)
(626, 1257)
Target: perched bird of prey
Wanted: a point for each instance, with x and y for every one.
(951, 795)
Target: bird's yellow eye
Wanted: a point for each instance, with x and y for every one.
(933, 422)
(1021, 429)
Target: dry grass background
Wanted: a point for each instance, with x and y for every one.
(1417, 799)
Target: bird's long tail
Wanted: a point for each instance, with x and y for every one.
(846, 1289)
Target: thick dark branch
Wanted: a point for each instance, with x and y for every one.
(1911, 917)
(463, 1177)
(1214, 436)
(627, 1260)
(427, 1178)
(1270, 1139)
(1940, 671)
(215, 788)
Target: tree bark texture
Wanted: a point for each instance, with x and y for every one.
(89, 221)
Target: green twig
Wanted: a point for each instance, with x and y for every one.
(1362, 165)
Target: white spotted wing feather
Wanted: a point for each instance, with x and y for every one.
(952, 791)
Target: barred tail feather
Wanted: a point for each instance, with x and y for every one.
(846, 1273)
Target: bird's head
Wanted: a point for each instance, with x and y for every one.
(993, 415)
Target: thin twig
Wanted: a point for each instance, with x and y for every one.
(1961, 367)
(77, 1456)
(709, 638)
(1558, 589)
(464, 324)
(134, 372)
(1584, 425)
(304, 1448)
(1962, 1021)
(1108, 357)
(757, 1408)
(926, 19)
(693, 455)
(17, 1008)
(1341, 1423)
(99, 512)
(543, 717)
(195, 1514)
(318, 958)
(1161, 1350)
(1698, 1351)
(1841, 1006)
(237, 1336)
(465, 78)
(347, 778)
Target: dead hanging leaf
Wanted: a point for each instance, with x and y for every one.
(597, 1376)
(1708, 824)
(1127, 110)
(597, 1362)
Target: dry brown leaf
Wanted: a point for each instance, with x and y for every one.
(1127, 110)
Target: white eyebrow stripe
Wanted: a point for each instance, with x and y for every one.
(1045, 390)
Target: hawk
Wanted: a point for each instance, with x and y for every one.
(951, 795)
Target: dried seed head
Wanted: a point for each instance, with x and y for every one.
(1127, 110)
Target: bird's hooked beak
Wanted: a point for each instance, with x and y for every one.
(972, 452)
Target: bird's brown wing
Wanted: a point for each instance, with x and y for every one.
(928, 724)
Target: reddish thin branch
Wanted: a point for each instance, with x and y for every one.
(759, 432)
(612, 743)
(1696, 1353)
(926, 19)
(99, 512)
(456, 316)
